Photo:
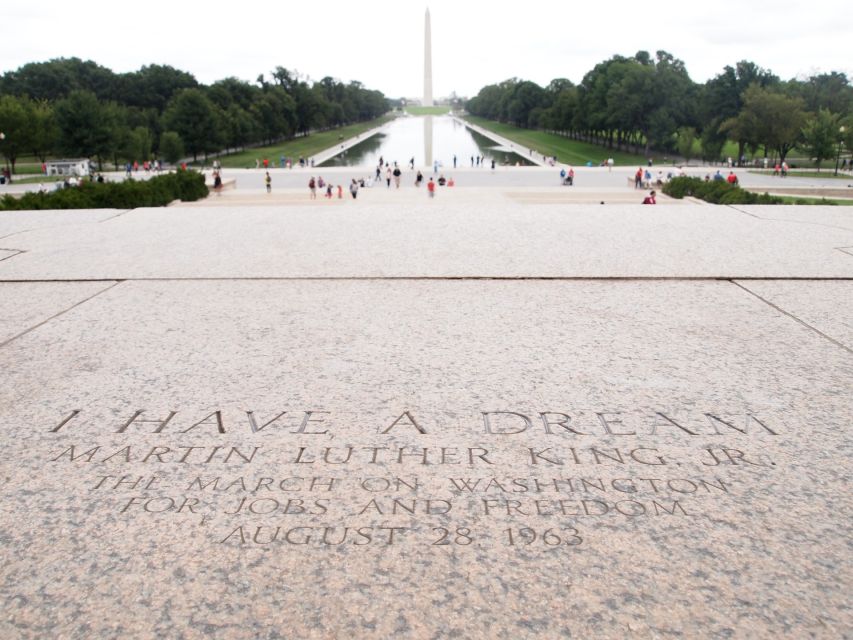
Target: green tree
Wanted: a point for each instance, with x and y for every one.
(135, 144)
(192, 116)
(721, 100)
(686, 139)
(525, 98)
(171, 147)
(821, 136)
(239, 127)
(275, 114)
(153, 86)
(831, 91)
(45, 131)
(86, 126)
(564, 105)
(847, 136)
(775, 119)
(16, 127)
(712, 141)
(57, 78)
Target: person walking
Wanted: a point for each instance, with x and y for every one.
(312, 187)
(397, 174)
(268, 182)
(388, 177)
(431, 188)
(419, 178)
(353, 189)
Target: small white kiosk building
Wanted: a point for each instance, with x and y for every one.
(79, 167)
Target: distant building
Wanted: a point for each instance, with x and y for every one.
(78, 167)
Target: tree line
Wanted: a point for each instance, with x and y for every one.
(642, 103)
(78, 108)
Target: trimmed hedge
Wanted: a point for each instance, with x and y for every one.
(129, 194)
(716, 191)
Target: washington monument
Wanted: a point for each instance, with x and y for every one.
(427, 62)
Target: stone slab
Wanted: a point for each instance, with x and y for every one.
(826, 306)
(436, 239)
(14, 223)
(728, 515)
(26, 304)
(839, 217)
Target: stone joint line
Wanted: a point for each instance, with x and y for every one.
(795, 318)
(722, 278)
(56, 315)
(115, 215)
(14, 252)
(816, 224)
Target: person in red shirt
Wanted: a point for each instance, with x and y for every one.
(650, 199)
(431, 188)
(732, 179)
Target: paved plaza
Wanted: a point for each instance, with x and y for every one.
(508, 412)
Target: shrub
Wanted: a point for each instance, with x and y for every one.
(130, 194)
(716, 192)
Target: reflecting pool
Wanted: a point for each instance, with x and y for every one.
(427, 139)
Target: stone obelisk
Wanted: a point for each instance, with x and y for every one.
(427, 62)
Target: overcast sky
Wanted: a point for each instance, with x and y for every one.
(380, 43)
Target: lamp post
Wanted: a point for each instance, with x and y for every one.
(841, 130)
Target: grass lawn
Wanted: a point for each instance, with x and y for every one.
(566, 150)
(26, 168)
(427, 111)
(802, 200)
(306, 146)
(829, 174)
